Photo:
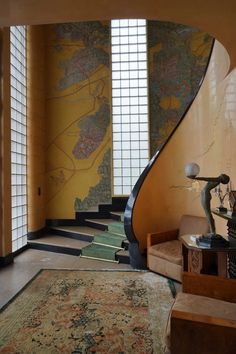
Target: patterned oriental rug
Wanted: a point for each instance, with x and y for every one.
(72, 311)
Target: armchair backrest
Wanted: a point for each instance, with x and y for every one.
(190, 224)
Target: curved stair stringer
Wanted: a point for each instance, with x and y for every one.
(161, 195)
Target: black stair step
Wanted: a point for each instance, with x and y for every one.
(58, 244)
(82, 233)
(117, 215)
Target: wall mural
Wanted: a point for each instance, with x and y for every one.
(78, 128)
(178, 56)
(78, 117)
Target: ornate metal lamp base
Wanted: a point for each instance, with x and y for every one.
(212, 240)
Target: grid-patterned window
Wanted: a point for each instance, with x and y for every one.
(129, 102)
(18, 136)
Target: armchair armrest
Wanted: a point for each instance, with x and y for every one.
(162, 236)
(205, 325)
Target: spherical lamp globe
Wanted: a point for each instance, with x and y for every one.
(192, 170)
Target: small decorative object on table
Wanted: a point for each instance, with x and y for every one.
(212, 239)
(232, 203)
(221, 196)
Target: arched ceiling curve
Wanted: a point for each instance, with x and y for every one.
(213, 16)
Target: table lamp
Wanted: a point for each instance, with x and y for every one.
(211, 239)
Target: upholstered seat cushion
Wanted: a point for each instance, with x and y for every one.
(170, 251)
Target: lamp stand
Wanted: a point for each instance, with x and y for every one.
(212, 241)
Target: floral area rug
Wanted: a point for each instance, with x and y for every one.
(72, 311)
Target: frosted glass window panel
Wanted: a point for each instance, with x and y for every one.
(134, 74)
(124, 83)
(116, 154)
(126, 163)
(144, 154)
(117, 163)
(125, 118)
(117, 145)
(143, 163)
(117, 181)
(135, 163)
(125, 154)
(134, 180)
(18, 135)
(125, 127)
(125, 110)
(125, 101)
(126, 145)
(134, 118)
(135, 172)
(117, 172)
(125, 74)
(127, 190)
(116, 110)
(126, 172)
(134, 109)
(135, 153)
(126, 181)
(116, 136)
(129, 96)
(118, 190)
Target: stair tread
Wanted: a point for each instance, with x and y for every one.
(55, 240)
(101, 221)
(117, 212)
(83, 230)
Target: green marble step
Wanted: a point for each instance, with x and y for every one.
(117, 227)
(96, 251)
(108, 238)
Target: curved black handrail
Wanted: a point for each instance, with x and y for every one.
(136, 259)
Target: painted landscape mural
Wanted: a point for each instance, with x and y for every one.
(79, 122)
(178, 56)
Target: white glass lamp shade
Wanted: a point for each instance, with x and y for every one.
(192, 169)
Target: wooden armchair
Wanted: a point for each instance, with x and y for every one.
(164, 249)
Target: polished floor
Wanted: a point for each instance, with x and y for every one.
(28, 263)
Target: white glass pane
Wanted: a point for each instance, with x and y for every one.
(117, 172)
(126, 163)
(117, 181)
(126, 190)
(125, 75)
(134, 163)
(117, 190)
(116, 154)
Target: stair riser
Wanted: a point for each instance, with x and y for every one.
(75, 236)
(96, 225)
(82, 215)
(123, 259)
(56, 249)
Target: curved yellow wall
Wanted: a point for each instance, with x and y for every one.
(207, 136)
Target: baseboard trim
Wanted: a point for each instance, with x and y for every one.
(32, 235)
(6, 260)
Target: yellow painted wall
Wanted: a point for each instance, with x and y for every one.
(207, 136)
(36, 127)
(75, 94)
